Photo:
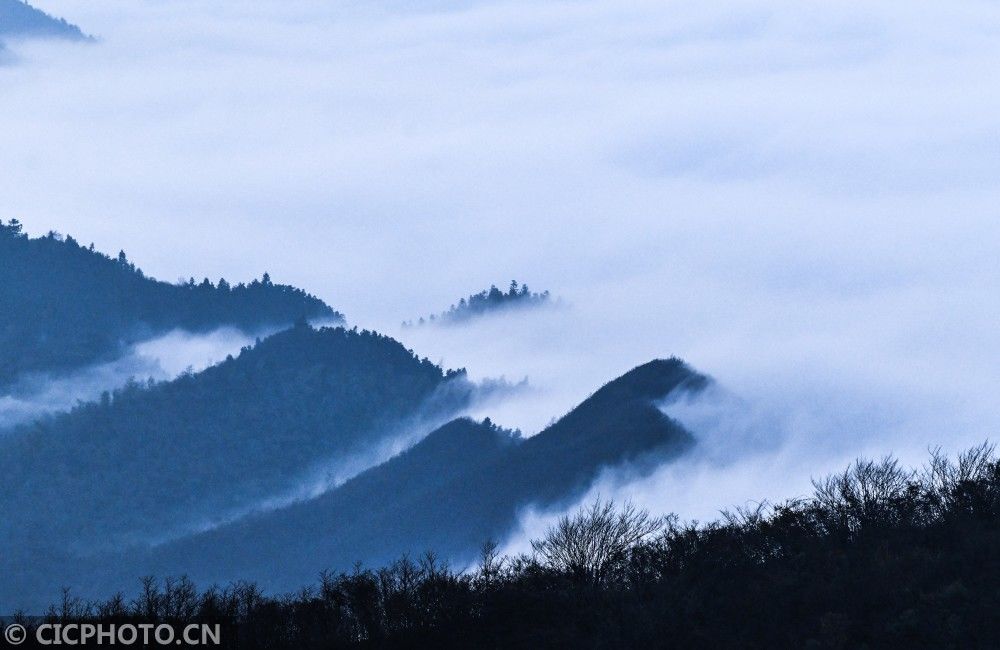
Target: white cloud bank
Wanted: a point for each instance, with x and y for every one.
(799, 198)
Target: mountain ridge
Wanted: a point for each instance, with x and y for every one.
(67, 306)
(141, 459)
(461, 485)
(22, 20)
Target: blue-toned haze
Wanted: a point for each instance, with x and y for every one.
(798, 198)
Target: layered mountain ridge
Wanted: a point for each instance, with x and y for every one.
(66, 306)
(464, 483)
(314, 449)
(148, 460)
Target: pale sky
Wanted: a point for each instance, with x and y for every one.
(799, 198)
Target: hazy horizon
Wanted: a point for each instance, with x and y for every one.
(798, 199)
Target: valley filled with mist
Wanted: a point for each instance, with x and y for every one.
(312, 441)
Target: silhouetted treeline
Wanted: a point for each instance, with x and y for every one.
(485, 302)
(877, 557)
(66, 306)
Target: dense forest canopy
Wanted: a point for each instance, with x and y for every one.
(20, 19)
(877, 557)
(149, 461)
(65, 305)
(485, 302)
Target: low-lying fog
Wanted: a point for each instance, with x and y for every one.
(161, 358)
(798, 198)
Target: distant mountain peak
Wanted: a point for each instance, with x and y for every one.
(655, 379)
(462, 437)
(19, 19)
(492, 300)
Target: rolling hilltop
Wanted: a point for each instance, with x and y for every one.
(66, 306)
(148, 462)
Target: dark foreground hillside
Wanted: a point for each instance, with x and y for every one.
(878, 557)
(65, 306)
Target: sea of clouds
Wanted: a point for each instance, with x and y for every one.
(798, 198)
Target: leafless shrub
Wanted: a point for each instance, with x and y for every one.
(596, 539)
(866, 493)
(491, 563)
(943, 475)
(962, 485)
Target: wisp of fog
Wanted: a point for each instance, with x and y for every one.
(158, 359)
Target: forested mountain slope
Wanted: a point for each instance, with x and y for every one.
(152, 461)
(462, 485)
(63, 306)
